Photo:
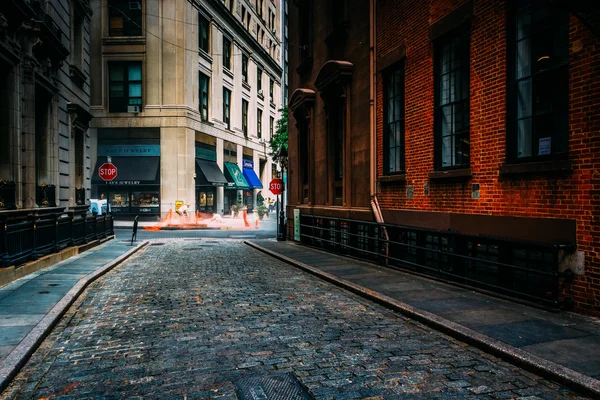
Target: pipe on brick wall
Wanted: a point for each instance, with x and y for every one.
(372, 104)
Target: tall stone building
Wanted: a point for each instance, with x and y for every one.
(185, 95)
(44, 103)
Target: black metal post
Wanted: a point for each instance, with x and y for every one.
(281, 234)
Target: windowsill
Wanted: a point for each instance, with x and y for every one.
(540, 167)
(392, 178)
(272, 105)
(451, 174)
(120, 40)
(207, 122)
(205, 55)
(260, 96)
(246, 85)
(228, 72)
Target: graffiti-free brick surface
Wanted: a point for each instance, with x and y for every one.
(188, 318)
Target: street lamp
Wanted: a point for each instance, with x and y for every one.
(282, 158)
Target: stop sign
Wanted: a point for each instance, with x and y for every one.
(276, 186)
(107, 172)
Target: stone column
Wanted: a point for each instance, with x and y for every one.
(28, 134)
(220, 189)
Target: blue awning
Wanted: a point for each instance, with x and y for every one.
(252, 179)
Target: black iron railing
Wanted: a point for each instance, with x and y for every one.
(523, 269)
(27, 239)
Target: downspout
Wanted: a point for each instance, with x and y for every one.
(373, 123)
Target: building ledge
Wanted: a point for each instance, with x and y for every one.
(123, 40)
(246, 86)
(77, 76)
(462, 174)
(205, 55)
(543, 167)
(400, 178)
(228, 72)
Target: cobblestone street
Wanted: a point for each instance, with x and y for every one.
(187, 318)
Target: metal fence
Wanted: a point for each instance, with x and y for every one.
(523, 269)
(28, 239)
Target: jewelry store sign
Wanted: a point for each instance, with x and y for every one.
(132, 150)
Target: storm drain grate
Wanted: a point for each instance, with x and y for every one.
(271, 387)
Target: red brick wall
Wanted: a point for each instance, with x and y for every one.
(574, 195)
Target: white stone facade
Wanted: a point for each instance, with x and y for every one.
(168, 48)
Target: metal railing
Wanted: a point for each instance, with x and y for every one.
(523, 269)
(26, 240)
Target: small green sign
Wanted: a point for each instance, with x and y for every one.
(296, 224)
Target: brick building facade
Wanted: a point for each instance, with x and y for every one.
(486, 125)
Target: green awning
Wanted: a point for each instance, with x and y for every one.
(235, 177)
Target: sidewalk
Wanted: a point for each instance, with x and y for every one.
(562, 346)
(31, 306)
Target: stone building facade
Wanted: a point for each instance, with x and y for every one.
(185, 95)
(484, 137)
(44, 103)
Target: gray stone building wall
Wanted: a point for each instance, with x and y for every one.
(44, 139)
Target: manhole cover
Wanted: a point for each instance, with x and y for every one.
(157, 244)
(242, 236)
(52, 284)
(271, 387)
(44, 292)
(193, 248)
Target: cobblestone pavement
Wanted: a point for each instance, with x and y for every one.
(187, 318)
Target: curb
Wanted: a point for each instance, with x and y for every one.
(12, 364)
(566, 376)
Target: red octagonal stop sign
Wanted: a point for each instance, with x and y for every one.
(107, 172)
(276, 186)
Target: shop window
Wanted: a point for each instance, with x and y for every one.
(227, 107)
(226, 52)
(145, 202)
(259, 115)
(538, 89)
(393, 111)
(245, 117)
(452, 100)
(337, 118)
(125, 86)
(125, 18)
(119, 202)
(204, 33)
(203, 97)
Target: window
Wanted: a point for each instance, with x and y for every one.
(245, 68)
(259, 7)
(203, 32)
(226, 52)
(77, 42)
(452, 100)
(203, 97)
(271, 124)
(226, 107)
(245, 117)
(393, 110)
(538, 82)
(125, 18)
(271, 89)
(125, 86)
(259, 78)
(243, 15)
(259, 123)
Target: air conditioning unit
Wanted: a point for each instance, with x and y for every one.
(260, 92)
(135, 5)
(133, 109)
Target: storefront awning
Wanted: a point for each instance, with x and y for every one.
(208, 173)
(131, 171)
(235, 177)
(252, 178)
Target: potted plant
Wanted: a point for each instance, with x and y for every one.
(262, 210)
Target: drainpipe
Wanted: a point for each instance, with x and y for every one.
(373, 121)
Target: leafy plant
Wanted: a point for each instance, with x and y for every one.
(262, 210)
(280, 136)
